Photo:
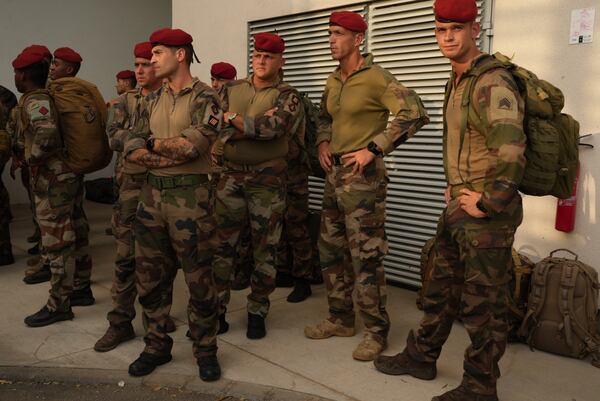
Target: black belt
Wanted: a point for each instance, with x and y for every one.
(176, 181)
(337, 160)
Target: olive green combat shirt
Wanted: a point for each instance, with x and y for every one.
(194, 113)
(492, 159)
(266, 138)
(356, 112)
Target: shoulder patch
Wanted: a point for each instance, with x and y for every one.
(503, 104)
(38, 109)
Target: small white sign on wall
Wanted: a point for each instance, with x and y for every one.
(582, 25)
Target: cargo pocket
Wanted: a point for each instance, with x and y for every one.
(488, 256)
(63, 190)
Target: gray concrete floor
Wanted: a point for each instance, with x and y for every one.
(285, 359)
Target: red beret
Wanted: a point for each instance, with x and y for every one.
(349, 20)
(223, 70)
(43, 50)
(67, 54)
(170, 37)
(26, 58)
(125, 74)
(143, 50)
(455, 10)
(269, 42)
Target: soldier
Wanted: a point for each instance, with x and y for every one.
(220, 74)
(125, 81)
(174, 220)
(262, 113)
(472, 250)
(38, 137)
(130, 177)
(66, 63)
(352, 140)
(7, 101)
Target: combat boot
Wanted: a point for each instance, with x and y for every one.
(45, 317)
(403, 364)
(39, 273)
(301, 291)
(114, 336)
(284, 280)
(209, 368)
(82, 297)
(368, 349)
(326, 329)
(146, 363)
(6, 256)
(462, 393)
(256, 327)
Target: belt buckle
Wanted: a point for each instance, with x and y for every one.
(337, 160)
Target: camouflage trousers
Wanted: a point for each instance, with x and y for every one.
(123, 289)
(83, 261)
(253, 200)
(295, 250)
(26, 181)
(175, 225)
(353, 244)
(5, 217)
(55, 206)
(470, 276)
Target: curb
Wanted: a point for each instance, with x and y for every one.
(221, 388)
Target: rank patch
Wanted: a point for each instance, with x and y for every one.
(213, 121)
(43, 110)
(505, 104)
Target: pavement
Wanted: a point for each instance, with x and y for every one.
(283, 366)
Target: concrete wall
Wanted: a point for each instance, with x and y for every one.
(537, 33)
(103, 32)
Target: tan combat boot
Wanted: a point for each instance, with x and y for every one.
(403, 364)
(368, 349)
(326, 329)
(113, 337)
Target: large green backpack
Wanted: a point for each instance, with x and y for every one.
(552, 152)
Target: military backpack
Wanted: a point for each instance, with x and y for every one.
(562, 308)
(552, 152)
(82, 119)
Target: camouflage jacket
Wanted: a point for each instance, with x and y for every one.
(266, 137)
(355, 112)
(490, 158)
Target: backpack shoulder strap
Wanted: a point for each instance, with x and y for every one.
(537, 298)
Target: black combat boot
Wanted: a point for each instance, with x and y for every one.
(34, 250)
(37, 274)
(45, 317)
(146, 363)
(82, 297)
(301, 291)
(256, 327)
(462, 393)
(209, 369)
(403, 364)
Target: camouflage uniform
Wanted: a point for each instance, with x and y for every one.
(123, 115)
(471, 256)
(174, 220)
(352, 222)
(55, 188)
(295, 249)
(251, 190)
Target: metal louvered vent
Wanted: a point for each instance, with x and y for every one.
(401, 38)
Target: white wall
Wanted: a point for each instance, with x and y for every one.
(103, 32)
(537, 33)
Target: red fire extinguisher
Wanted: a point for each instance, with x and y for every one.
(566, 208)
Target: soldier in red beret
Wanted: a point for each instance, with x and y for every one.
(174, 224)
(125, 81)
(472, 256)
(352, 140)
(220, 73)
(66, 63)
(129, 178)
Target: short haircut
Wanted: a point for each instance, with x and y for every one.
(7, 98)
(189, 52)
(37, 73)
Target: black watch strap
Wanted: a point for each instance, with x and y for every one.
(373, 148)
(150, 144)
(481, 206)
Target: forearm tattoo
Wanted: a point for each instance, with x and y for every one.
(176, 149)
(154, 160)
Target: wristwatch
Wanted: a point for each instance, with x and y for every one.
(231, 117)
(373, 148)
(150, 143)
(481, 206)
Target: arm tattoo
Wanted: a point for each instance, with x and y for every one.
(152, 160)
(179, 149)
